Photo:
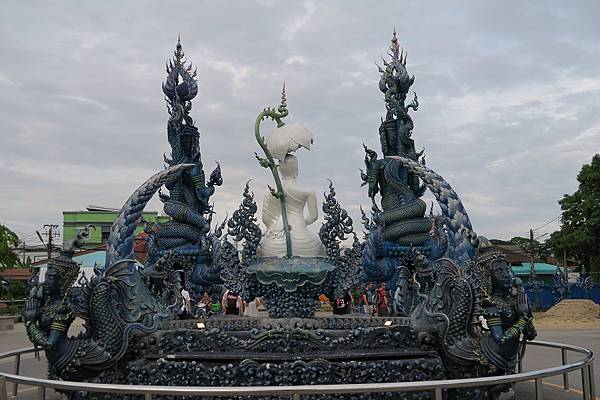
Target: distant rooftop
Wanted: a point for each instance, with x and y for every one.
(100, 208)
(540, 269)
(513, 253)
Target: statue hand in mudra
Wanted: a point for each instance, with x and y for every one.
(524, 310)
(522, 306)
(32, 307)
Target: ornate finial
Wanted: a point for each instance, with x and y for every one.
(283, 106)
(179, 54)
(395, 47)
(180, 78)
(283, 98)
(395, 81)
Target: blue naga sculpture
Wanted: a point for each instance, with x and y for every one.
(401, 240)
(115, 305)
(187, 236)
(442, 276)
(445, 280)
(122, 301)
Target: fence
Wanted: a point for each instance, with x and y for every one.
(544, 295)
(437, 388)
(12, 307)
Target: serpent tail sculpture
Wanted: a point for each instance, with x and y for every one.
(115, 304)
(120, 242)
(451, 310)
(462, 239)
(136, 310)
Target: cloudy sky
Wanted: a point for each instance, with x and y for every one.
(509, 94)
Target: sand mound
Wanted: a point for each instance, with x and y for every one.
(573, 310)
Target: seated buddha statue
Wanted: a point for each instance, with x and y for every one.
(298, 199)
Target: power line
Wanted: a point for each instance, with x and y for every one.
(548, 223)
(50, 233)
(540, 236)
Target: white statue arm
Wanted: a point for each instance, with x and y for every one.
(312, 208)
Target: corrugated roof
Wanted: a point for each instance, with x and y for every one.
(540, 268)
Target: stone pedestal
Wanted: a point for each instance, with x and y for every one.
(236, 351)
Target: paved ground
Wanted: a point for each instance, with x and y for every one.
(536, 358)
(540, 357)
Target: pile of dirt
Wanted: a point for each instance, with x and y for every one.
(573, 310)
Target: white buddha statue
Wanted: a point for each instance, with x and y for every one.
(297, 199)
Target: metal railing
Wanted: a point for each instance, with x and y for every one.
(436, 387)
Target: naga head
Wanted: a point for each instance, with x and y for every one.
(180, 84)
(395, 81)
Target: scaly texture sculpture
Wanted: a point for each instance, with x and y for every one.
(115, 304)
(445, 279)
(187, 203)
(399, 227)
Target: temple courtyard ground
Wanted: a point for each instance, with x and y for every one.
(582, 334)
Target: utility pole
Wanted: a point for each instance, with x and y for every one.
(565, 264)
(532, 253)
(23, 252)
(50, 233)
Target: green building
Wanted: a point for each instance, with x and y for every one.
(102, 219)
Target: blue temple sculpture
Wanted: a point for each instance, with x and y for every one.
(115, 305)
(288, 266)
(401, 240)
(458, 311)
(187, 235)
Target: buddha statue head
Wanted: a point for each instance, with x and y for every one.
(288, 168)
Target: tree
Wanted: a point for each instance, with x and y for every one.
(9, 241)
(541, 250)
(580, 230)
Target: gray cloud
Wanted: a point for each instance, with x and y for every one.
(509, 97)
